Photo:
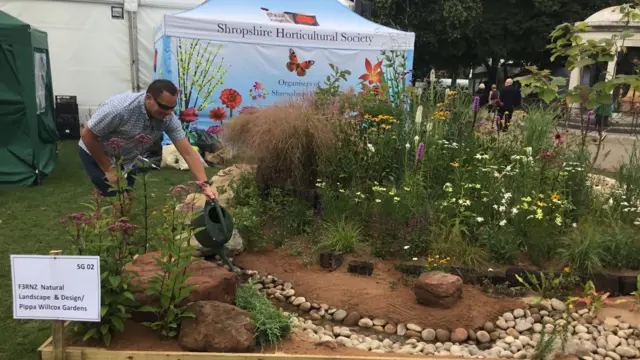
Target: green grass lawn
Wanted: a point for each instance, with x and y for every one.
(29, 224)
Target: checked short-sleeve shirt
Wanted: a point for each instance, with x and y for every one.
(124, 116)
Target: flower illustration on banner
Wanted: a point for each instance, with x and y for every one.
(215, 130)
(247, 109)
(189, 115)
(231, 99)
(218, 114)
(258, 92)
(374, 74)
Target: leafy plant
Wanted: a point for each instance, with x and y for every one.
(102, 233)
(593, 299)
(272, 325)
(340, 236)
(331, 86)
(170, 285)
(636, 295)
(544, 287)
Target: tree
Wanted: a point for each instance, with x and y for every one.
(451, 34)
(441, 28)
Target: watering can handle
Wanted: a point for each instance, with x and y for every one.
(215, 203)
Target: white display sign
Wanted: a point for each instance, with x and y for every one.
(56, 287)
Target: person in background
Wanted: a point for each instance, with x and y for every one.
(603, 112)
(494, 98)
(510, 99)
(138, 120)
(482, 94)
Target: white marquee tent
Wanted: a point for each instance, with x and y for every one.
(95, 55)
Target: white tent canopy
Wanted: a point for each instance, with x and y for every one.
(267, 22)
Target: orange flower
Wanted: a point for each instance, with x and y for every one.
(231, 98)
(218, 114)
(374, 74)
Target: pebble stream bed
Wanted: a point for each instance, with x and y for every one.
(514, 335)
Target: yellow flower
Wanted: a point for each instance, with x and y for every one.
(455, 164)
(555, 196)
(566, 270)
(541, 204)
(153, 213)
(378, 201)
(452, 92)
(477, 133)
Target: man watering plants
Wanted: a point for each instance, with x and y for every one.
(133, 122)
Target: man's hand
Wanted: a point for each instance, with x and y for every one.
(111, 175)
(209, 192)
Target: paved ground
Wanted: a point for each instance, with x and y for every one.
(615, 149)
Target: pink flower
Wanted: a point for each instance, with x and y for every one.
(143, 140)
(189, 115)
(215, 130)
(559, 137)
(113, 147)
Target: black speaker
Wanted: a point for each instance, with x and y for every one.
(67, 117)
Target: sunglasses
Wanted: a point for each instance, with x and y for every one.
(163, 106)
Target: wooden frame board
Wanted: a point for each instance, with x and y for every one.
(88, 353)
(46, 352)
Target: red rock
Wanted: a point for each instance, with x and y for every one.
(459, 335)
(217, 327)
(438, 289)
(352, 319)
(212, 282)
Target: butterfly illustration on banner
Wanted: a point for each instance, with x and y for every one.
(299, 67)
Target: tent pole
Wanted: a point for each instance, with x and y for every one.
(133, 50)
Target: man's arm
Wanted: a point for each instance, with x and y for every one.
(105, 120)
(189, 154)
(192, 158)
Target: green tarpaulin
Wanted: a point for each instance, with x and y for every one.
(28, 134)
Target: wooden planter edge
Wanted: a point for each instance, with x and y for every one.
(45, 352)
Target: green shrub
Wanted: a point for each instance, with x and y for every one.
(272, 325)
(340, 235)
(583, 248)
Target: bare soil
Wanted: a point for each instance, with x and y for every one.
(381, 295)
(137, 337)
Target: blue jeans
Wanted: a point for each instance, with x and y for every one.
(98, 177)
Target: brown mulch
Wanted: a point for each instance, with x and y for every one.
(374, 296)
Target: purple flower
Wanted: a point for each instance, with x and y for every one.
(113, 146)
(143, 140)
(124, 226)
(180, 191)
(476, 104)
(215, 129)
(420, 152)
(589, 117)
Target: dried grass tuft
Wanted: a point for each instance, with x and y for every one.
(284, 139)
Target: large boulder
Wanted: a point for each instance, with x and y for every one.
(217, 327)
(226, 176)
(438, 289)
(212, 282)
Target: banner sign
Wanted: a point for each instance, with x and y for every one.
(218, 79)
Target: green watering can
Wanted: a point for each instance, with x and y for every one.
(218, 228)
